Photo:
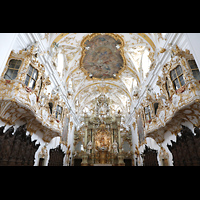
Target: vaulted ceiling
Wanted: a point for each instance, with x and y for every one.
(92, 50)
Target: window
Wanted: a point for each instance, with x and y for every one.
(167, 87)
(147, 113)
(155, 107)
(40, 83)
(50, 107)
(58, 112)
(164, 35)
(146, 62)
(177, 77)
(194, 69)
(12, 70)
(31, 77)
(60, 63)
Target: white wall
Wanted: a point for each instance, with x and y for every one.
(194, 44)
(7, 41)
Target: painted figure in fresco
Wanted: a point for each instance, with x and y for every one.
(102, 58)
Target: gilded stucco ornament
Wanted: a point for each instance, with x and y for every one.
(18, 102)
(174, 104)
(43, 153)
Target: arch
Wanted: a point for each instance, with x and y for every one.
(100, 83)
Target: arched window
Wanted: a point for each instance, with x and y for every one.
(12, 70)
(177, 77)
(58, 112)
(155, 107)
(146, 62)
(164, 35)
(167, 87)
(60, 63)
(147, 113)
(194, 69)
(51, 107)
(31, 77)
(40, 87)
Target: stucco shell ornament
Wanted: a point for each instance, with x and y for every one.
(102, 56)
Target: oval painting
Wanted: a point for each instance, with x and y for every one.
(102, 56)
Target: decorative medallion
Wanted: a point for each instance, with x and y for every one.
(102, 56)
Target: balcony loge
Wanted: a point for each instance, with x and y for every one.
(179, 98)
(23, 96)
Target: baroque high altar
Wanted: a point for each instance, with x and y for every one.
(101, 137)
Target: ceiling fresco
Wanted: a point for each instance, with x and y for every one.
(102, 56)
(108, 63)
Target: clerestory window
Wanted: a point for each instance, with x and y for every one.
(12, 70)
(194, 68)
(58, 112)
(177, 77)
(147, 113)
(31, 77)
